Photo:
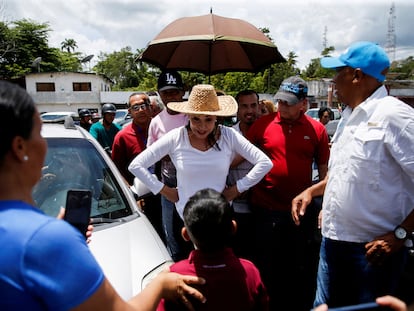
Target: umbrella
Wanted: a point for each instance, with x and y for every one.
(211, 44)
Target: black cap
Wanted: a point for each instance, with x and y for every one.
(170, 79)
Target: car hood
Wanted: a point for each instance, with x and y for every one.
(119, 251)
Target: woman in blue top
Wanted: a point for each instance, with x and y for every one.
(45, 264)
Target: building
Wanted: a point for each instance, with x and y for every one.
(402, 89)
(67, 91)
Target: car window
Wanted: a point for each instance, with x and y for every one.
(312, 113)
(120, 114)
(337, 114)
(76, 164)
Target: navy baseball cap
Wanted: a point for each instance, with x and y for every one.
(170, 79)
(368, 56)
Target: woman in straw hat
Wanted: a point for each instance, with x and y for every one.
(201, 151)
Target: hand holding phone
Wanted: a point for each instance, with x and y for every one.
(78, 209)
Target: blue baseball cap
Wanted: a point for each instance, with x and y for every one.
(368, 56)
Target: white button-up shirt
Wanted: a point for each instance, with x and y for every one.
(370, 188)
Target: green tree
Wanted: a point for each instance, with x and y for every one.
(273, 77)
(27, 41)
(7, 46)
(315, 71)
(119, 67)
(266, 32)
(67, 61)
(69, 45)
(403, 69)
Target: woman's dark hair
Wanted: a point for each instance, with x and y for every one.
(208, 218)
(322, 110)
(16, 109)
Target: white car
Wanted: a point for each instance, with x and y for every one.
(124, 242)
(58, 116)
(122, 116)
(332, 124)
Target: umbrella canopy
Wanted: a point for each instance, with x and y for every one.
(211, 44)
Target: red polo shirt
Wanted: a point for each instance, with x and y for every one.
(231, 283)
(292, 147)
(128, 143)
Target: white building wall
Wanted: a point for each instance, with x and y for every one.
(64, 98)
(118, 98)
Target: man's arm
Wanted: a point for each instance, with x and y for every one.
(322, 171)
(303, 199)
(384, 245)
(168, 285)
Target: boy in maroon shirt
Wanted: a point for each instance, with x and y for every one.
(231, 283)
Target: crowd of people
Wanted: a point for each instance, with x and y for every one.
(237, 206)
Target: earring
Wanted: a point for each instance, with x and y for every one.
(25, 158)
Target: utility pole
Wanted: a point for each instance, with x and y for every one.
(391, 37)
(331, 85)
(325, 40)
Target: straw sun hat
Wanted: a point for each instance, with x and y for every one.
(204, 100)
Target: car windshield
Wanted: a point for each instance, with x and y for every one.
(73, 163)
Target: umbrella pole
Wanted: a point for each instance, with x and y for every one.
(209, 60)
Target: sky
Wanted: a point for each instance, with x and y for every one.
(302, 27)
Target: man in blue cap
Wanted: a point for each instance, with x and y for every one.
(368, 203)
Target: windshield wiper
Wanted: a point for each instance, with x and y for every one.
(102, 220)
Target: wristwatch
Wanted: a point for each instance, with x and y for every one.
(400, 233)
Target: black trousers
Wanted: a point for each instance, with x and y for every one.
(287, 257)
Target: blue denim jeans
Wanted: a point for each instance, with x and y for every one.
(168, 208)
(172, 224)
(345, 277)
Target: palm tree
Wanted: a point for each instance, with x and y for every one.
(68, 45)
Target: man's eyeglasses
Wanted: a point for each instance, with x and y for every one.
(138, 107)
(299, 90)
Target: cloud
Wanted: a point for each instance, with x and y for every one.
(298, 26)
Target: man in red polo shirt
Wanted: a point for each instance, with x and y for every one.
(293, 141)
(132, 139)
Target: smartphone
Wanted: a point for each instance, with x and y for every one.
(78, 209)
(370, 306)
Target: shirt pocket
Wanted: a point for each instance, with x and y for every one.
(366, 154)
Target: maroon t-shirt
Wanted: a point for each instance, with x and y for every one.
(231, 283)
